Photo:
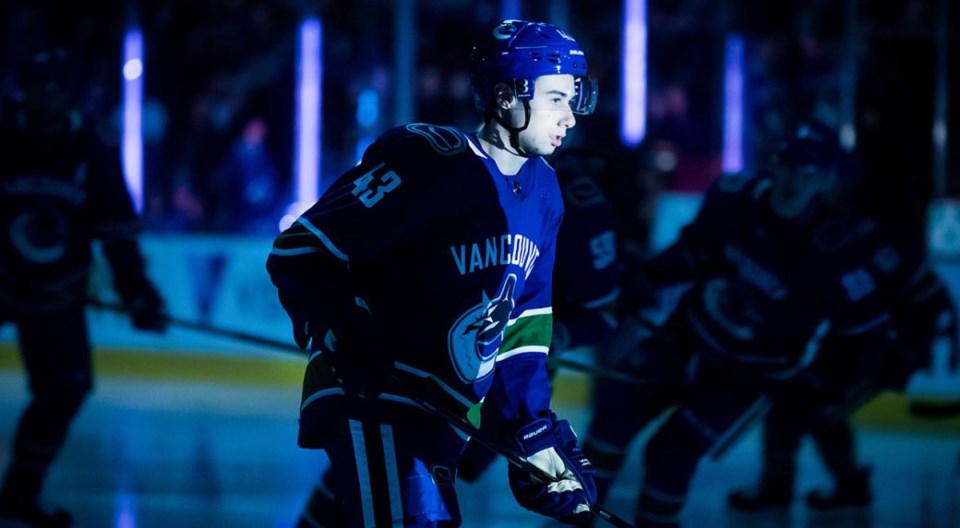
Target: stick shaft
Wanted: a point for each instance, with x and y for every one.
(458, 422)
(208, 328)
(463, 425)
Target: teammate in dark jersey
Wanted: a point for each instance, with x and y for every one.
(772, 270)
(587, 276)
(431, 262)
(60, 188)
(850, 371)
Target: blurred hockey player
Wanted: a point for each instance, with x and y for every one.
(425, 273)
(772, 270)
(849, 372)
(588, 269)
(61, 188)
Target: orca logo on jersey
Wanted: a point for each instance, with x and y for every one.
(474, 339)
(444, 140)
(40, 237)
(39, 233)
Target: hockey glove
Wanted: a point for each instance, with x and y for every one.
(361, 363)
(135, 289)
(146, 307)
(551, 445)
(343, 325)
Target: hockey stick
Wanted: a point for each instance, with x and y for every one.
(288, 347)
(460, 423)
(733, 434)
(204, 327)
(464, 426)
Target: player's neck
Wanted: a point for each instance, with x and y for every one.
(495, 142)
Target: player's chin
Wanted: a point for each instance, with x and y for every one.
(546, 150)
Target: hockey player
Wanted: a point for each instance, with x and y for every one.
(849, 372)
(772, 270)
(425, 273)
(587, 276)
(61, 187)
(586, 286)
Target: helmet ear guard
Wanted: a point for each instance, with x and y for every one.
(505, 93)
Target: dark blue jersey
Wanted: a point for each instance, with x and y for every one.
(766, 289)
(587, 274)
(454, 260)
(57, 193)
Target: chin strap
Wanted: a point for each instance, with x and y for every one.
(515, 131)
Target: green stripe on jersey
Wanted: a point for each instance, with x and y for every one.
(296, 236)
(528, 330)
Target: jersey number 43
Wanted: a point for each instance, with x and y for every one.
(372, 186)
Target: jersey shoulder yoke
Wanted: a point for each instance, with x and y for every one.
(419, 139)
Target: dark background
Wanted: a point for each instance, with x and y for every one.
(218, 68)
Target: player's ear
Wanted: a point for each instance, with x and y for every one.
(503, 95)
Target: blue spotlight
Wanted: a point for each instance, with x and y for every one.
(733, 105)
(633, 124)
(309, 110)
(132, 150)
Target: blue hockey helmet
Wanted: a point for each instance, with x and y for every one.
(517, 52)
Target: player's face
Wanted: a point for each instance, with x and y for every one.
(550, 115)
(796, 187)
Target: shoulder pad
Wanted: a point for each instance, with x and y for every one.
(441, 139)
(417, 140)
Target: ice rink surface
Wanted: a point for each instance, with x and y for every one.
(148, 453)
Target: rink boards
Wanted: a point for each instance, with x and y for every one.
(222, 282)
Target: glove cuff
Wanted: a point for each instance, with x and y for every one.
(536, 436)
